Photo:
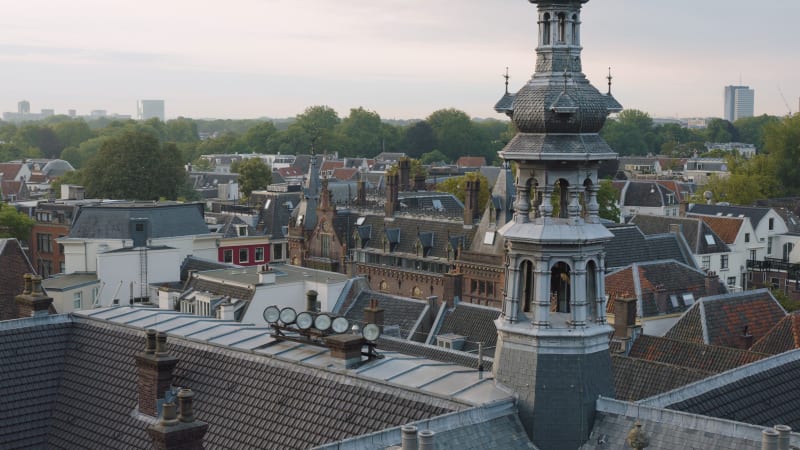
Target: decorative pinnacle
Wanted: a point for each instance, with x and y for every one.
(506, 76)
(609, 78)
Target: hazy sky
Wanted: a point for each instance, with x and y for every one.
(401, 58)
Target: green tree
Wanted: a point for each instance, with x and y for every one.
(782, 145)
(72, 177)
(631, 133)
(458, 187)
(751, 129)
(720, 130)
(254, 174)
(222, 144)
(72, 133)
(319, 124)
(133, 165)
(256, 139)
(434, 156)
(608, 199)
(455, 133)
(418, 139)
(40, 137)
(14, 224)
(181, 130)
(361, 132)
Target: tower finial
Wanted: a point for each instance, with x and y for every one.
(506, 76)
(609, 78)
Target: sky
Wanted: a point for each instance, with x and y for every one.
(401, 58)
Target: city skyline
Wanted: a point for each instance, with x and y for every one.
(403, 59)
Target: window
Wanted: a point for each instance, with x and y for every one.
(44, 243)
(723, 262)
(76, 300)
(95, 292)
(277, 251)
(546, 29)
(706, 263)
(731, 281)
(140, 227)
(752, 255)
(259, 254)
(243, 255)
(771, 223)
(710, 239)
(227, 256)
(775, 283)
(747, 237)
(769, 245)
(787, 250)
(326, 245)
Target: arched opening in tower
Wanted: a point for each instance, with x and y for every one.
(546, 29)
(591, 290)
(561, 191)
(526, 288)
(560, 291)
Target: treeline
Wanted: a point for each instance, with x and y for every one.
(445, 135)
(634, 133)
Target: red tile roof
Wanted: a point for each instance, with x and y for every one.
(330, 165)
(344, 174)
(471, 161)
(782, 337)
(692, 355)
(727, 228)
(10, 170)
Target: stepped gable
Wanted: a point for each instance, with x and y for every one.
(474, 322)
(724, 319)
(783, 337)
(635, 379)
(707, 358)
(630, 245)
(398, 311)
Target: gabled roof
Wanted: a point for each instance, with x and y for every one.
(635, 379)
(629, 245)
(474, 322)
(112, 221)
(755, 214)
(402, 233)
(648, 194)
(10, 170)
(699, 236)
(648, 280)
(345, 173)
(783, 337)
(691, 355)
(399, 311)
(471, 161)
(727, 228)
(276, 211)
(724, 320)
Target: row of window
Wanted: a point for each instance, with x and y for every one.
(258, 254)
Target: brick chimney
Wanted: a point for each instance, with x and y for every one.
(419, 183)
(624, 316)
(155, 373)
(181, 431)
(392, 202)
(361, 193)
(374, 314)
(346, 347)
(404, 166)
(33, 302)
(471, 201)
(713, 286)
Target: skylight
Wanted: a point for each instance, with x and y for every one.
(710, 239)
(360, 221)
(688, 299)
(437, 204)
(488, 238)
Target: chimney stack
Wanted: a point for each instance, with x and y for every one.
(471, 201)
(155, 367)
(712, 284)
(361, 195)
(325, 195)
(33, 302)
(404, 166)
(784, 436)
(346, 347)
(419, 183)
(181, 432)
(769, 439)
(374, 314)
(392, 203)
(311, 300)
(624, 316)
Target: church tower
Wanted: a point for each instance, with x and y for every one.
(552, 345)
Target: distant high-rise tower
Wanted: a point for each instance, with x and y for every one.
(739, 102)
(24, 107)
(148, 109)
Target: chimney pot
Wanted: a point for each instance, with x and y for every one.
(784, 436)
(427, 440)
(169, 414)
(185, 397)
(769, 439)
(409, 435)
(28, 283)
(36, 281)
(150, 342)
(161, 344)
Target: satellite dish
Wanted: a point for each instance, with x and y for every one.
(271, 314)
(371, 332)
(304, 320)
(340, 325)
(288, 315)
(322, 322)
